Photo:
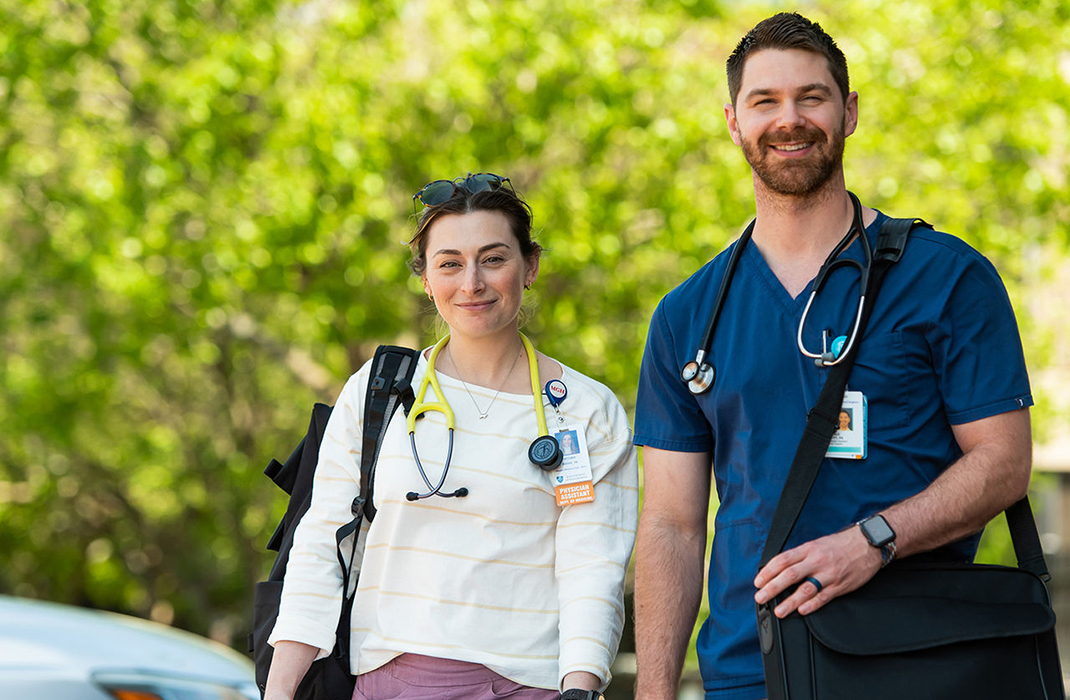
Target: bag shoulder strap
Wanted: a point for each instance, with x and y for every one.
(892, 239)
(821, 421)
(389, 386)
(821, 425)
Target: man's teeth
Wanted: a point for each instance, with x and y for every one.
(792, 147)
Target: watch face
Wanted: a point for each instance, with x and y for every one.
(877, 531)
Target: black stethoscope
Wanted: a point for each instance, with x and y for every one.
(544, 452)
(699, 374)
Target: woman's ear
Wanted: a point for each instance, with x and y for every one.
(532, 273)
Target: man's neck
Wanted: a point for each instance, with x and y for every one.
(796, 234)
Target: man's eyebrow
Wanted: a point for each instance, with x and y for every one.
(812, 87)
(817, 87)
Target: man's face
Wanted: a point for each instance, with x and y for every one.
(791, 120)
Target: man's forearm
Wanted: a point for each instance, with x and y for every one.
(991, 475)
(668, 590)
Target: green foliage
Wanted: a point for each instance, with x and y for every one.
(204, 207)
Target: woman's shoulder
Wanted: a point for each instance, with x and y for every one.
(587, 390)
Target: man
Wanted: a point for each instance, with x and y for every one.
(939, 376)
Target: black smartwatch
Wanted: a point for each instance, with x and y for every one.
(577, 694)
(880, 535)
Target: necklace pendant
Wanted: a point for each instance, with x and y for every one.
(482, 416)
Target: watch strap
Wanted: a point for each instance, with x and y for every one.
(577, 694)
(887, 554)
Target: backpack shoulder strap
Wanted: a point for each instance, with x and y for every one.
(389, 386)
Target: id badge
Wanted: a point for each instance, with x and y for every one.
(573, 480)
(849, 440)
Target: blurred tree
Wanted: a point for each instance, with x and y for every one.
(204, 206)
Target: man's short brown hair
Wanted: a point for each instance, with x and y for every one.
(787, 30)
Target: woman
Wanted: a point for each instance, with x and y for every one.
(494, 590)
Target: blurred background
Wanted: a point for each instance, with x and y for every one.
(204, 205)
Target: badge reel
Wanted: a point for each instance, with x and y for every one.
(545, 450)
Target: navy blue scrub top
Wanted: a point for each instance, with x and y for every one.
(941, 349)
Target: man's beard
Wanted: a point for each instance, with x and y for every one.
(801, 177)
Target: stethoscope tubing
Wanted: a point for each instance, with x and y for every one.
(420, 406)
(827, 358)
(699, 374)
(436, 490)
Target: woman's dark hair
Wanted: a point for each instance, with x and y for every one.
(787, 30)
(503, 199)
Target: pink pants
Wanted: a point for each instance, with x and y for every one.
(415, 677)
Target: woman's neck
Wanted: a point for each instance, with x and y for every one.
(488, 362)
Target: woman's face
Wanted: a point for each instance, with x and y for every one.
(845, 420)
(476, 273)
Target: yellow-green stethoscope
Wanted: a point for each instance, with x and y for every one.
(544, 451)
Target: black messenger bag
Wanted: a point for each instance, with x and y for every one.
(925, 631)
(917, 630)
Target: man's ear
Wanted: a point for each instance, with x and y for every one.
(733, 125)
(850, 114)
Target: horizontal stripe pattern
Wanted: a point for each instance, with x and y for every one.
(503, 577)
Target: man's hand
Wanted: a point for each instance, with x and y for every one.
(840, 562)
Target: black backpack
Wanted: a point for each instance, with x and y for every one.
(389, 385)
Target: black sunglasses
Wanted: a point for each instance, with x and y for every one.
(439, 191)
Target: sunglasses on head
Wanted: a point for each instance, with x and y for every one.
(439, 191)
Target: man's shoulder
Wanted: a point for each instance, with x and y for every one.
(925, 242)
(700, 281)
(934, 254)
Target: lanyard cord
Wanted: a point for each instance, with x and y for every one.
(536, 393)
(442, 405)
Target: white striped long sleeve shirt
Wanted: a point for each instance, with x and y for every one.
(503, 577)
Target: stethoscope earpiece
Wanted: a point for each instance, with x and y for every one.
(545, 453)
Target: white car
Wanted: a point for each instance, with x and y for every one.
(60, 652)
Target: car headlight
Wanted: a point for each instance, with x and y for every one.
(142, 686)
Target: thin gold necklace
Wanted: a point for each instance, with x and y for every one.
(483, 414)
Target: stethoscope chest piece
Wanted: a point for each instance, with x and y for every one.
(545, 453)
(699, 376)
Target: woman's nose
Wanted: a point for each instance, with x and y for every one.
(473, 280)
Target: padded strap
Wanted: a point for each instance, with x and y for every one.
(892, 240)
(389, 383)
